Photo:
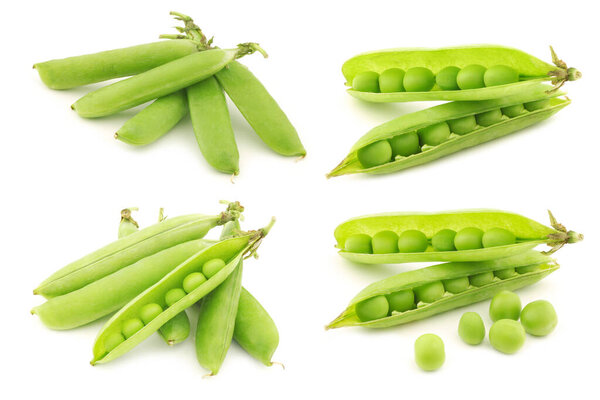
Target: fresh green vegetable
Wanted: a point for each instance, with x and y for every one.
(429, 352)
(507, 336)
(539, 318)
(471, 328)
(505, 305)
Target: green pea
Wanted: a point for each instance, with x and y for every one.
(211, 267)
(401, 301)
(505, 305)
(366, 82)
(446, 78)
(489, 118)
(391, 80)
(418, 79)
(434, 134)
(385, 242)
(481, 279)
(193, 281)
(405, 144)
(149, 312)
(412, 241)
(537, 105)
(513, 111)
(173, 296)
(112, 341)
(471, 77)
(500, 75)
(527, 269)
(457, 285)
(131, 326)
(463, 125)
(468, 239)
(471, 328)
(358, 243)
(539, 318)
(373, 308)
(498, 237)
(505, 273)
(430, 292)
(375, 154)
(444, 240)
(429, 352)
(507, 336)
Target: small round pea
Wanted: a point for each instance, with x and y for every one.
(211, 267)
(513, 111)
(498, 237)
(505, 273)
(481, 279)
(507, 336)
(173, 296)
(385, 242)
(418, 79)
(358, 243)
(112, 341)
(471, 77)
(489, 118)
(149, 312)
(391, 80)
(193, 281)
(537, 105)
(429, 352)
(131, 326)
(539, 318)
(500, 75)
(401, 301)
(444, 240)
(456, 285)
(464, 125)
(468, 239)
(434, 134)
(373, 308)
(412, 241)
(527, 269)
(446, 78)
(471, 328)
(366, 82)
(405, 144)
(505, 305)
(375, 154)
(430, 292)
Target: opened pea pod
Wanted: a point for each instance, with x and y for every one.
(471, 73)
(467, 235)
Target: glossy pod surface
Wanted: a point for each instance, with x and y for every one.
(532, 265)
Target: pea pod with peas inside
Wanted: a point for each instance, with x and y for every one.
(418, 294)
(470, 73)
(466, 235)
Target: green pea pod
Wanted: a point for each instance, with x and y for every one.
(127, 225)
(408, 124)
(530, 69)
(533, 266)
(176, 330)
(528, 233)
(76, 71)
(154, 121)
(212, 125)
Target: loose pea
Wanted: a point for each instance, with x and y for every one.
(513, 111)
(193, 281)
(539, 318)
(481, 279)
(173, 296)
(446, 78)
(500, 75)
(537, 105)
(527, 269)
(112, 341)
(505, 305)
(211, 267)
(434, 134)
(498, 237)
(401, 301)
(390, 80)
(412, 241)
(468, 239)
(444, 240)
(418, 79)
(429, 352)
(463, 125)
(131, 326)
(457, 285)
(507, 336)
(366, 82)
(471, 77)
(359, 243)
(149, 312)
(373, 308)
(375, 154)
(430, 292)
(505, 273)
(385, 242)
(489, 118)
(405, 144)
(471, 328)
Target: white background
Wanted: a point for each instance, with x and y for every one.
(65, 179)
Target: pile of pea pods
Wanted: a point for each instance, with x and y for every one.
(183, 74)
(146, 280)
